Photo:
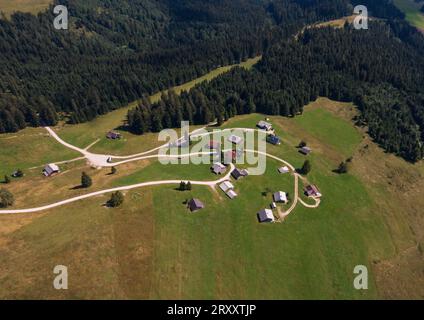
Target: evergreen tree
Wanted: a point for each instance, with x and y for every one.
(6, 198)
(86, 181)
(6, 179)
(183, 186)
(48, 116)
(113, 170)
(116, 199)
(306, 168)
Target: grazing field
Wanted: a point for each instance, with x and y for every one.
(29, 148)
(153, 247)
(337, 23)
(31, 6)
(411, 9)
(323, 126)
(84, 134)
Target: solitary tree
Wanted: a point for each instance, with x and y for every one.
(306, 168)
(302, 144)
(116, 199)
(86, 181)
(219, 119)
(6, 179)
(113, 170)
(6, 198)
(182, 186)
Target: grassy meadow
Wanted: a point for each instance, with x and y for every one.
(8, 7)
(154, 248)
(411, 9)
(30, 148)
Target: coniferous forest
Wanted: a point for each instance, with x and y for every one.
(116, 52)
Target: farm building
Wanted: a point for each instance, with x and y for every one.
(182, 143)
(214, 145)
(280, 196)
(50, 169)
(218, 168)
(113, 135)
(266, 215)
(273, 139)
(235, 139)
(195, 205)
(17, 174)
(239, 173)
(231, 194)
(312, 191)
(225, 186)
(273, 205)
(230, 156)
(305, 150)
(264, 125)
(284, 169)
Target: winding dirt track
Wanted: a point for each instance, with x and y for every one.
(124, 188)
(101, 160)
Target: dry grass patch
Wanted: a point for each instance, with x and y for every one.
(30, 6)
(108, 252)
(36, 190)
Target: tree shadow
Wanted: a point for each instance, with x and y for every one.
(122, 127)
(77, 187)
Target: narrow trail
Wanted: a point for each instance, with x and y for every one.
(123, 188)
(102, 160)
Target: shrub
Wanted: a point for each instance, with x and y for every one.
(116, 199)
(6, 179)
(86, 181)
(306, 168)
(6, 198)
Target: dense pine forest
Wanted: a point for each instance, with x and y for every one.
(117, 51)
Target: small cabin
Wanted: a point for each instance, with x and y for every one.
(284, 169)
(195, 205)
(50, 170)
(225, 186)
(266, 215)
(218, 168)
(273, 139)
(264, 125)
(305, 150)
(231, 194)
(113, 135)
(235, 139)
(238, 173)
(230, 156)
(214, 145)
(312, 191)
(280, 196)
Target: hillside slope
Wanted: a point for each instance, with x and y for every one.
(153, 248)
